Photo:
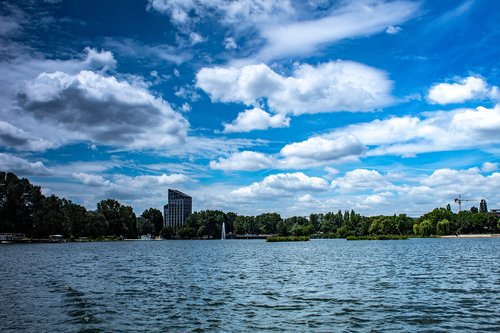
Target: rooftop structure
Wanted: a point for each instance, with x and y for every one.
(177, 210)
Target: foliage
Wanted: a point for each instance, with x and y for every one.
(144, 226)
(287, 238)
(121, 219)
(24, 209)
(155, 216)
(167, 232)
(443, 228)
(378, 237)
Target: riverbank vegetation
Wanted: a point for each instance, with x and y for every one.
(273, 239)
(24, 209)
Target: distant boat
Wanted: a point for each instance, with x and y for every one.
(56, 238)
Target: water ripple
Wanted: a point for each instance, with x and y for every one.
(419, 285)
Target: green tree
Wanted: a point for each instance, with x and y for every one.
(167, 232)
(20, 203)
(155, 216)
(268, 222)
(97, 225)
(443, 228)
(51, 219)
(144, 226)
(77, 217)
(121, 219)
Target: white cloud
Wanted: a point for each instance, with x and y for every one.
(489, 167)
(373, 199)
(102, 109)
(127, 187)
(101, 60)
(256, 119)
(360, 180)
(322, 149)
(13, 137)
(49, 103)
(353, 19)
(274, 21)
(185, 107)
(21, 166)
(234, 12)
(313, 152)
(465, 89)
(393, 30)
(92, 180)
(196, 38)
(329, 87)
(481, 123)
(307, 198)
(434, 131)
(230, 43)
(331, 172)
(283, 184)
(244, 161)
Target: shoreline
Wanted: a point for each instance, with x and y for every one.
(472, 236)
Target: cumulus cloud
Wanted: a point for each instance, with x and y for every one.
(392, 30)
(322, 149)
(283, 184)
(433, 131)
(489, 167)
(465, 89)
(128, 187)
(16, 138)
(256, 119)
(360, 180)
(332, 86)
(102, 109)
(315, 151)
(244, 161)
(49, 103)
(22, 166)
(101, 60)
(92, 180)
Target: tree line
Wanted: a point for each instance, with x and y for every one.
(24, 209)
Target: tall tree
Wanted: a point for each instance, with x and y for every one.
(121, 219)
(20, 202)
(155, 216)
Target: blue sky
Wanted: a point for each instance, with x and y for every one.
(296, 107)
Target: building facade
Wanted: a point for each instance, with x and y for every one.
(177, 210)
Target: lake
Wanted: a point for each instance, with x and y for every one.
(417, 285)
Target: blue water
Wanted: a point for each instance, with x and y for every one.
(418, 285)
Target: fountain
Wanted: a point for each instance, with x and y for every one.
(223, 230)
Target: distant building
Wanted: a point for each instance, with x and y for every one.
(178, 209)
(496, 212)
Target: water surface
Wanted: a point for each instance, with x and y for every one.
(418, 285)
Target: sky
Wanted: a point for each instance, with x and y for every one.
(254, 106)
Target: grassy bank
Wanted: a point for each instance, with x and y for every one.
(378, 237)
(287, 239)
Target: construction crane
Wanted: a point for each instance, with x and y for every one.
(459, 200)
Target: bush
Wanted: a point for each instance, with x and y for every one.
(287, 238)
